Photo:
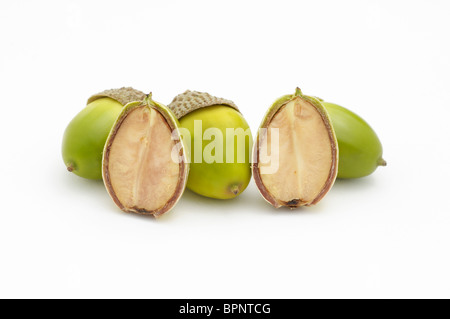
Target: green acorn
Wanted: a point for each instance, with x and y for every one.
(85, 136)
(360, 150)
(212, 175)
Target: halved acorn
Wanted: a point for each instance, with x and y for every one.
(145, 165)
(295, 157)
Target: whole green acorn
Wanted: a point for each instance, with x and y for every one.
(360, 149)
(85, 136)
(221, 179)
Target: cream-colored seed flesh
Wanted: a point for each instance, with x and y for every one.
(142, 173)
(305, 153)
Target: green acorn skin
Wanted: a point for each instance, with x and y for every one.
(85, 136)
(360, 150)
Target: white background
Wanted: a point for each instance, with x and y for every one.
(386, 235)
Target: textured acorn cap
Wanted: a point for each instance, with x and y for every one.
(123, 95)
(190, 101)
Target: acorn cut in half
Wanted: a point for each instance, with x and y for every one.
(144, 162)
(295, 157)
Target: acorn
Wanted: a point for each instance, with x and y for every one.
(220, 142)
(85, 136)
(295, 157)
(360, 149)
(145, 165)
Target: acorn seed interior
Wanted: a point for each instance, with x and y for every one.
(141, 169)
(305, 154)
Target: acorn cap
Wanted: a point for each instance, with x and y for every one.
(123, 95)
(190, 101)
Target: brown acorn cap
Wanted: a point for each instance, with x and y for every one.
(190, 101)
(123, 95)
